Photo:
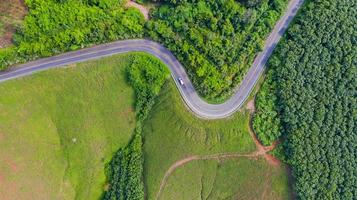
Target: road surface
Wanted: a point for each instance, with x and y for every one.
(197, 105)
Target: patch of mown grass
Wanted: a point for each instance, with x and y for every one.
(172, 133)
(241, 178)
(60, 127)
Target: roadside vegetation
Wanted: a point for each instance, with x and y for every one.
(266, 118)
(228, 179)
(216, 47)
(55, 26)
(309, 99)
(215, 40)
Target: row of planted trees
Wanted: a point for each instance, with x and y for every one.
(309, 100)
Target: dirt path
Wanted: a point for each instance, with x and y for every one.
(262, 151)
(179, 163)
(259, 152)
(143, 9)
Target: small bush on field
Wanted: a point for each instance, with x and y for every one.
(147, 75)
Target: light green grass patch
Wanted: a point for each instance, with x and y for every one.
(60, 127)
(227, 179)
(172, 133)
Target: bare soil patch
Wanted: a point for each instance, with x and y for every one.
(12, 165)
(251, 106)
(12, 13)
(144, 10)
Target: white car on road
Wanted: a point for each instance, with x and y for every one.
(180, 81)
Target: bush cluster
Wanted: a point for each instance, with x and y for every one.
(266, 118)
(146, 74)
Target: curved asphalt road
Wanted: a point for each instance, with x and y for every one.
(188, 93)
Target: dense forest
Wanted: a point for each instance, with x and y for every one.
(147, 75)
(311, 90)
(215, 40)
(55, 26)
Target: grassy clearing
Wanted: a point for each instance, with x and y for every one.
(60, 127)
(229, 179)
(172, 133)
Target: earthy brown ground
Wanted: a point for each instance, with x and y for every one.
(251, 106)
(12, 13)
(144, 10)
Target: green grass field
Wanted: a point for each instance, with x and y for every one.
(227, 179)
(60, 127)
(172, 133)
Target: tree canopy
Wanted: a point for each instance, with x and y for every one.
(215, 40)
(55, 26)
(313, 79)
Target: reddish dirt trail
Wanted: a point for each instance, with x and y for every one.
(143, 9)
(183, 161)
(261, 151)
